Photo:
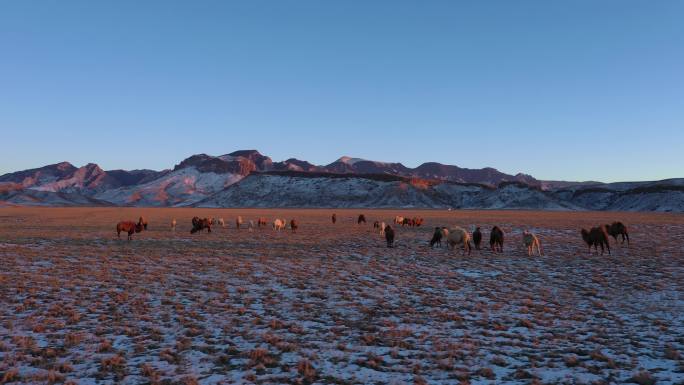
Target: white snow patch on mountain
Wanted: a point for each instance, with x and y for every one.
(181, 187)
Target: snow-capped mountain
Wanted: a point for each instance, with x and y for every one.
(249, 179)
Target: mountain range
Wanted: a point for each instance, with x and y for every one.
(247, 178)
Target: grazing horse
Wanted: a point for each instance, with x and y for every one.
(129, 227)
(294, 225)
(222, 222)
(200, 224)
(477, 238)
(531, 241)
(362, 218)
(618, 228)
(143, 222)
(398, 220)
(334, 218)
(389, 236)
(596, 237)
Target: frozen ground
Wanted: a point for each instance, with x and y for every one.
(330, 304)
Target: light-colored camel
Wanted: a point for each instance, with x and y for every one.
(531, 241)
(459, 236)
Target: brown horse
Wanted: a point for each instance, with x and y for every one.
(129, 227)
(334, 218)
(294, 225)
(596, 237)
(618, 228)
(261, 222)
(143, 222)
(200, 224)
(362, 219)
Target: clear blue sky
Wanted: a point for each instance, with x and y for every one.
(573, 90)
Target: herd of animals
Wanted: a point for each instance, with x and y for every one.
(456, 236)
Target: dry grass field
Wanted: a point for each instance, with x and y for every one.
(331, 304)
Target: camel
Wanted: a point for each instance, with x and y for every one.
(531, 241)
(389, 236)
(477, 238)
(596, 237)
(618, 228)
(129, 227)
(200, 224)
(458, 236)
(496, 239)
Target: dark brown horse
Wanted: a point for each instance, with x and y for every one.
(362, 219)
(294, 225)
(129, 227)
(496, 239)
(200, 224)
(334, 218)
(261, 222)
(596, 237)
(618, 228)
